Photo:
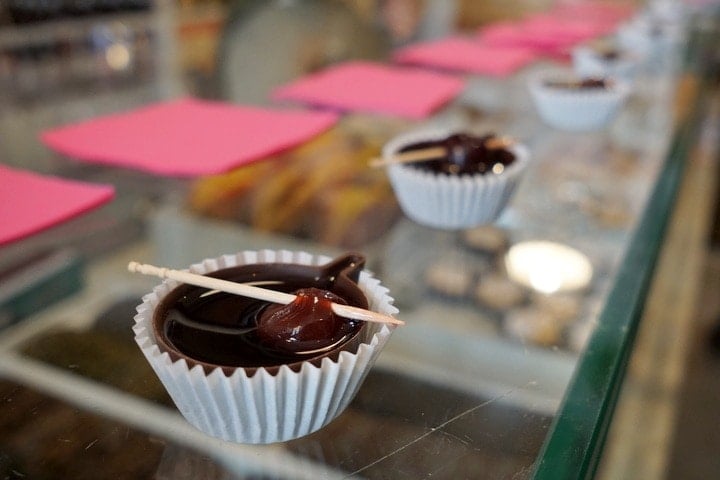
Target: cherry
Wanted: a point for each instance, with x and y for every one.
(305, 325)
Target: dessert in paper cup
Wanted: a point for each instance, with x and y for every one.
(657, 36)
(568, 102)
(469, 185)
(249, 371)
(605, 62)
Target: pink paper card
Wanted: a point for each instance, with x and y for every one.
(374, 88)
(187, 137)
(467, 55)
(546, 37)
(597, 11)
(30, 203)
(514, 34)
(574, 29)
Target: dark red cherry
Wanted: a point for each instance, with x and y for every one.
(305, 325)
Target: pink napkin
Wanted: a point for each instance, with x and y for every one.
(545, 33)
(467, 55)
(597, 11)
(30, 202)
(572, 29)
(187, 137)
(374, 88)
(513, 34)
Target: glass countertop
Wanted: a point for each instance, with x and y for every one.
(487, 379)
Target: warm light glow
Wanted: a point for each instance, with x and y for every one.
(548, 267)
(542, 278)
(117, 56)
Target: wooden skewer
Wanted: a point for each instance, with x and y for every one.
(495, 143)
(431, 153)
(421, 155)
(345, 311)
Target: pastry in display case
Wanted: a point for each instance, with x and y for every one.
(450, 277)
(497, 292)
(322, 191)
(498, 285)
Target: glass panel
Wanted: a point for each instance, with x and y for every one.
(478, 383)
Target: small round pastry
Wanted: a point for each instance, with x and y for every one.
(563, 307)
(498, 292)
(469, 185)
(568, 102)
(449, 279)
(248, 371)
(487, 239)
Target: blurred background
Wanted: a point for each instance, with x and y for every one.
(63, 60)
(68, 60)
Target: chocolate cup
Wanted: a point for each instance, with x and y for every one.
(340, 276)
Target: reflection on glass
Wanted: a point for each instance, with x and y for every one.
(548, 267)
(117, 56)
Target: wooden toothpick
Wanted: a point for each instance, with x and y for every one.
(258, 293)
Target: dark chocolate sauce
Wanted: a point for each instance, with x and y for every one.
(580, 84)
(609, 55)
(221, 329)
(466, 155)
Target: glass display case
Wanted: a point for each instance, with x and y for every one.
(64, 61)
(517, 333)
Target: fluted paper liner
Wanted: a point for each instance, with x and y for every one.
(264, 408)
(451, 201)
(588, 63)
(576, 110)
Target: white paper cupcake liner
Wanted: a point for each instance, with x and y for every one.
(264, 408)
(451, 201)
(659, 42)
(576, 110)
(587, 63)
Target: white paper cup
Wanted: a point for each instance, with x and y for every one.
(451, 202)
(578, 110)
(264, 408)
(589, 63)
(658, 41)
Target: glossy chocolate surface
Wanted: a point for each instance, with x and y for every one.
(466, 155)
(220, 329)
(580, 84)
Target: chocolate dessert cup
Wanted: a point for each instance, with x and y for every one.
(447, 201)
(266, 399)
(576, 109)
